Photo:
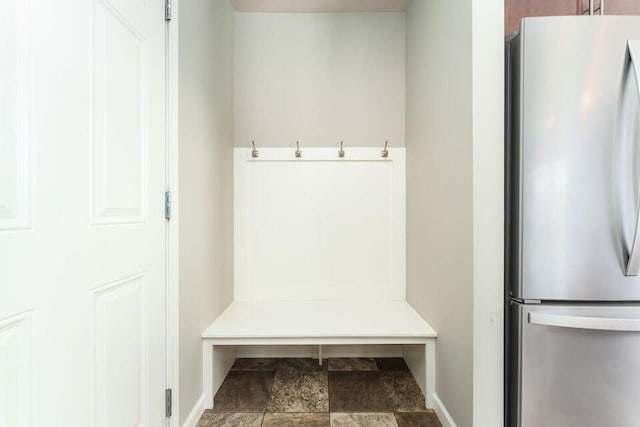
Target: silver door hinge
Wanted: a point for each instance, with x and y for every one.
(167, 10)
(167, 204)
(167, 402)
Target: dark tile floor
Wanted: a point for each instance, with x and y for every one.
(300, 392)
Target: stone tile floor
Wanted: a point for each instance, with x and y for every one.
(300, 392)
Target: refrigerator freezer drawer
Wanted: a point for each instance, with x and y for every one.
(574, 365)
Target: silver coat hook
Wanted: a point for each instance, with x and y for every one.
(341, 152)
(385, 152)
(254, 152)
(298, 152)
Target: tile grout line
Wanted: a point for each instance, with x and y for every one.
(273, 383)
(328, 391)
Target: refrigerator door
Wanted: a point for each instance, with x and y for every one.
(575, 366)
(574, 165)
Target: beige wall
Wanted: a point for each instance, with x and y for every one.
(319, 78)
(440, 190)
(205, 175)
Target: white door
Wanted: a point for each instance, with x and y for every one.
(82, 245)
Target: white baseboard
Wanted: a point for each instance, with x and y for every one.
(196, 413)
(443, 415)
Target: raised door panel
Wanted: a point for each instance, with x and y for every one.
(514, 10)
(14, 104)
(15, 371)
(119, 116)
(120, 365)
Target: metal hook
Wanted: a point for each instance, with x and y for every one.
(254, 152)
(341, 152)
(298, 152)
(385, 152)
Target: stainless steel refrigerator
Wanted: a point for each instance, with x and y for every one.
(573, 214)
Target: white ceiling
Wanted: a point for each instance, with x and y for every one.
(298, 6)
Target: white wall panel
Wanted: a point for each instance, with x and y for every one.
(119, 122)
(119, 369)
(15, 371)
(319, 227)
(14, 108)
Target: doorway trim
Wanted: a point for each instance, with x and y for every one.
(172, 229)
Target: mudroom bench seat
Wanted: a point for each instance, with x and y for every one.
(318, 323)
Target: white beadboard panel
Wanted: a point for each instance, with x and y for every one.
(119, 339)
(319, 227)
(16, 371)
(14, 115)
(119, 116)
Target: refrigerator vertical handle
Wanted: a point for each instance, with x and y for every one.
(633, 263)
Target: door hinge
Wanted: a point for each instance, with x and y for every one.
(167, 402)
(167, 204)
(167, 10)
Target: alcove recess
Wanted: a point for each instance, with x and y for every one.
(320, 242)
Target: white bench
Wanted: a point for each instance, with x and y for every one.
(318, 323)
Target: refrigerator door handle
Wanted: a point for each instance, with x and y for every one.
(581, 322)
(633, 263)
